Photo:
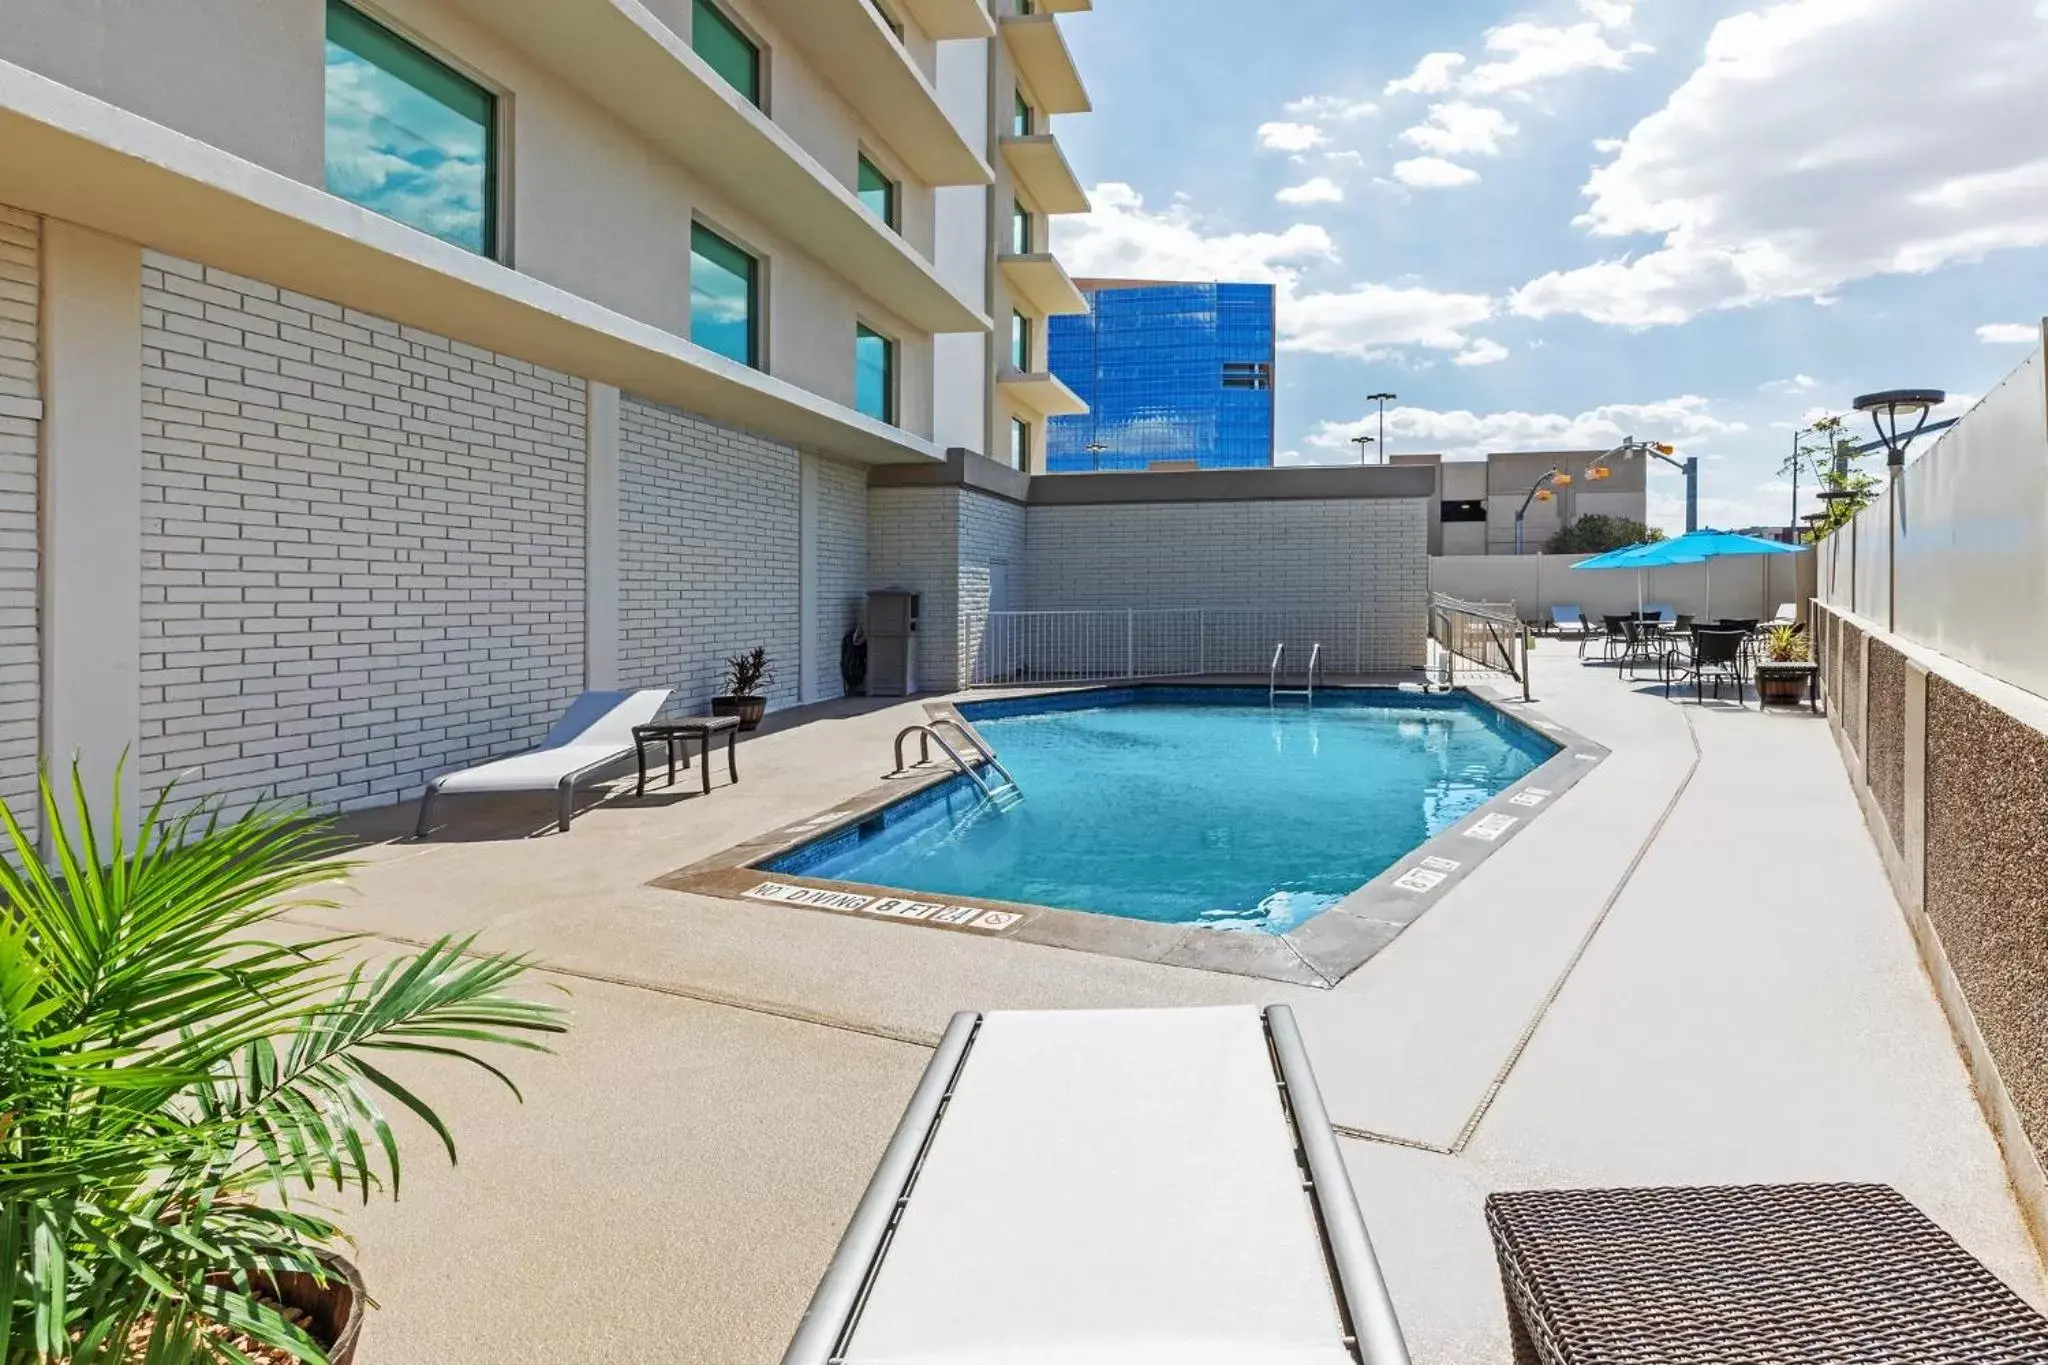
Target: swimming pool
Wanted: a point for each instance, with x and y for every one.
(1190, 805)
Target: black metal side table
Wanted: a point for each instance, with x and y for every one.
(678, 734)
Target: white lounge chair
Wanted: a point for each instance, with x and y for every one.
(595, 733)
(1141, 1187)
(1788, 615)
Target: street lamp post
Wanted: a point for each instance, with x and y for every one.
(1095, 450)
(1540, 493)
(1383, 399)
(1361, 442)
(1887, 411)
(1657, 450)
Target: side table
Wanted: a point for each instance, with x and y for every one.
(678, 733)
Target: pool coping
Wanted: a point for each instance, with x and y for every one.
(1319, 953)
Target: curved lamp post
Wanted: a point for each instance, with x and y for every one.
(1657, 450)
(1888, 411)
(1556, 478)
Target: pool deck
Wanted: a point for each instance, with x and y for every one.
(1690, 970)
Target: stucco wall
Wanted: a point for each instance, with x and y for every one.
(20, 411)
(362, 545)
(708, 553)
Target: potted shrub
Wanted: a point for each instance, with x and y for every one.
(748, 677)
(174, 1084)
(1784, 673)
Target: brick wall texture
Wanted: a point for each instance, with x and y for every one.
(362, 545)
(708, 553)
(1367, 558)
(20, 411)
(993, 534)
(841, 582)
(913, 542)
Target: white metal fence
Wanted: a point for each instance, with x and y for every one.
(1478, 638)
(1104, 646)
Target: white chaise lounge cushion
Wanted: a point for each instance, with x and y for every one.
(596, 729)
(1108, 1188)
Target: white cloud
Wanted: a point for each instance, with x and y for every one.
(1330, 108)
(1433, 75)
(1768, 175)
(1321, 190)
(1121, 237)
(1483, 351)
(1345, 158)
(1525, 55)
(1433, 173)
(1291, 137)
(1798, 383)
(1612, 13)
(1456, 128)
(1685, 420)
(2009, 334)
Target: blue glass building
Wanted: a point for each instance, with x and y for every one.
(1171, 373)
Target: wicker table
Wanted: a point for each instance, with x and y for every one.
(1762, 1275)
(679, 733)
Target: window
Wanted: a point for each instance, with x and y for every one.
(1465, 509)
(874, 374)
(1020, 443)
(1247, 375)
(1020, 342)
(725, 297)
(1022, 118)
(1020, 228)
(729, 52)
(408, 136)
(877, 191)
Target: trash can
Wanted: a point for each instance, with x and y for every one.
(892, 643)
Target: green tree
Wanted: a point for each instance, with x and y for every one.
(1828, 454)
(1596, 534)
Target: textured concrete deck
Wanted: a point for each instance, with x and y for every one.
(1690, 970)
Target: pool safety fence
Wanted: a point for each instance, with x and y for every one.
(1477, 640)
(1026, 647)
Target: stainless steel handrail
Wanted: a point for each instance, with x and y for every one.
(926, 735)
(1315, 663)
(988, 755)
(1273, 673)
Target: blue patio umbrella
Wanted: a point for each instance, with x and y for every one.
(1694, 547)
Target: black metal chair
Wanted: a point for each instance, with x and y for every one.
(1717, 656)
(1617, 634)
(1644, 642)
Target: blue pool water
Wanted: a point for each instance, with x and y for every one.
(1191, 805)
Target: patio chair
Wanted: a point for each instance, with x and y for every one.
(1571, 621)
(1643, 642)
(1787, 615)
(1617, 635)
(1716, 656)
(1109, 1186)
(594, 734)
(1655, 612)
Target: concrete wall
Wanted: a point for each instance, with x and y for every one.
(21, 410)
(1536, 583)
(362, 545)
(708, 554)
(592, 208)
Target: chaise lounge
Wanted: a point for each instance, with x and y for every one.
(595, 733)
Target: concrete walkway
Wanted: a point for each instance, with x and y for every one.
(1690, 970)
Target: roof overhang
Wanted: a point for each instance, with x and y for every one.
(943, 19)
(70, 156)
(1045, 394)
(1040, 168)
(1041, 281)
(1040, 51)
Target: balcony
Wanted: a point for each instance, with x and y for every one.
(1040, 52)
(1065, 6)
(70, 156)
(942, 19)
(1040, 169)
(854, 51)
(627, 62)
(1043, 283)
(1045, 394)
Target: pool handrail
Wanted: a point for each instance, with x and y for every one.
(927, 736)
(988, 755)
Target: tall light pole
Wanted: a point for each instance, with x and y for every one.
(1656, 450)
(1540, 493)
(1887, 410)
(1361, 442)
(1383, 399)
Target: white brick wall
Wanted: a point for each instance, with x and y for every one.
(20, 411)
(992, 541)
(708, 553)
(1326, 556)
(841, 584)
(362, 545)
(913, 541)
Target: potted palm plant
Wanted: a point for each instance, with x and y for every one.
(1785, 672)
(176, 1083)
(748, 677)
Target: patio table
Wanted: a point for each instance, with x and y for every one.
(1747, 1275)
(678, 733)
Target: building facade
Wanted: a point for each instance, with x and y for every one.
(1475, 509)
(376, 377)
(1179, 375)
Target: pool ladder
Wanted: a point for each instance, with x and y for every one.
(1004, 796)
(1274, 691)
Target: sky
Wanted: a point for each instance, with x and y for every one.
(1553, 225)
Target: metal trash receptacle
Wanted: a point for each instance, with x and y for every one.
(892, 643)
